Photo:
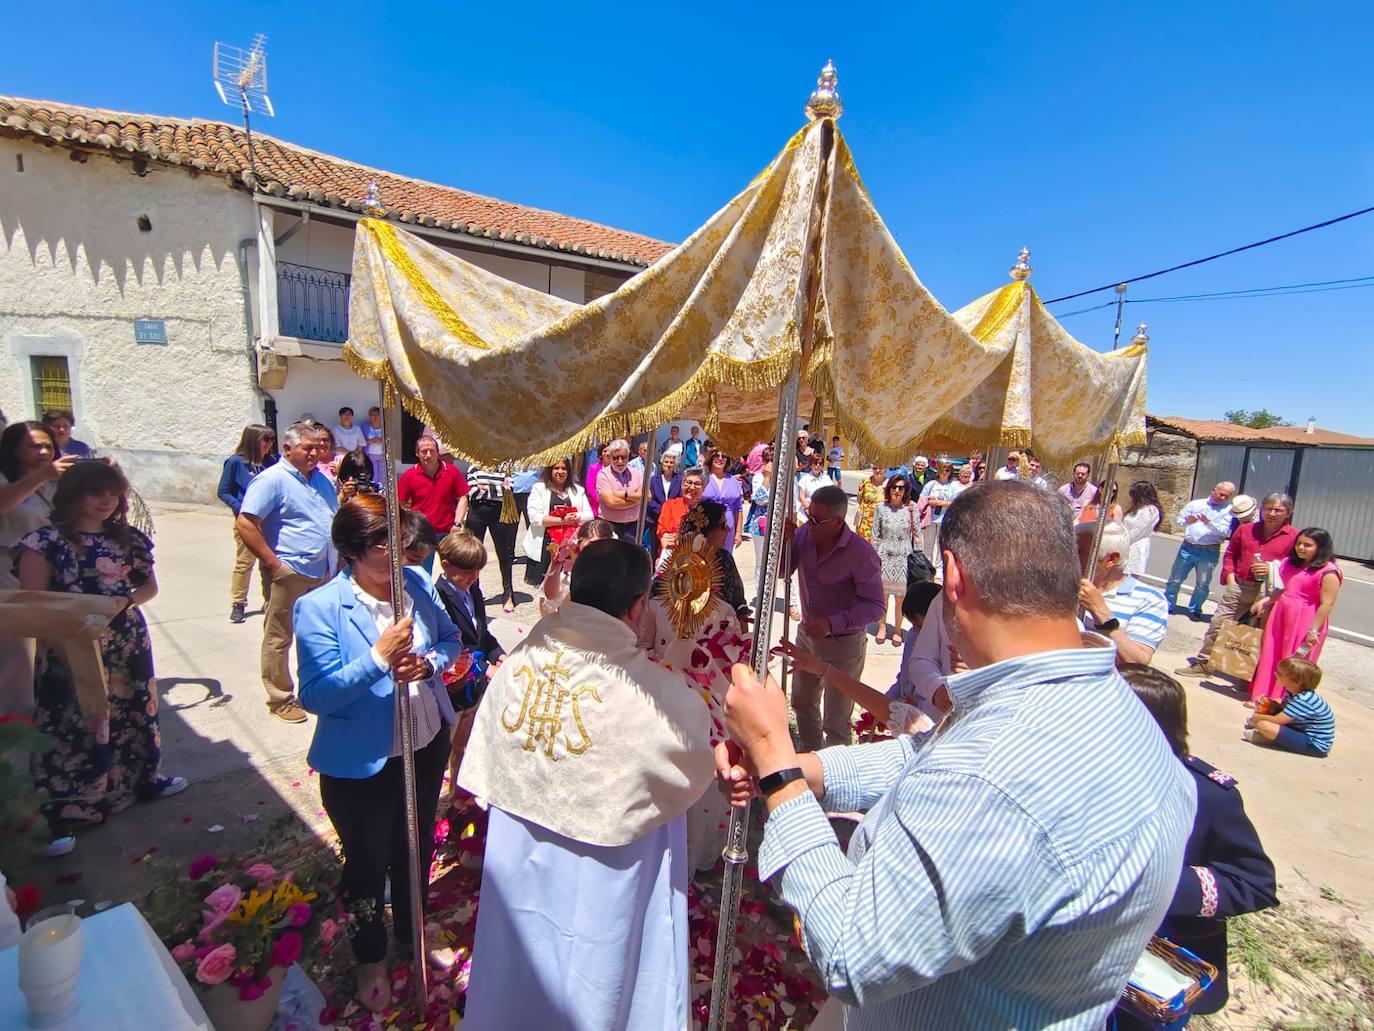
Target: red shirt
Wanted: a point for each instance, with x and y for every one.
(1240, 553)
(434, 497)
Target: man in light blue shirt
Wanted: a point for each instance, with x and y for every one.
(1206, 525)
(285, 520)
(1015, 861)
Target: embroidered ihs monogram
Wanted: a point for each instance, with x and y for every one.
(541, 709)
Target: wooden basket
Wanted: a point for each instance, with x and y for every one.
(1166, 1011)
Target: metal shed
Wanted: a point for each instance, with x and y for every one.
(1330, 475)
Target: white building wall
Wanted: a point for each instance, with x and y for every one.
(76, 271)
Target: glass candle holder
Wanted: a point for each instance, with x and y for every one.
(50, 964)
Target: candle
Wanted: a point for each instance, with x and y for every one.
(49, 966)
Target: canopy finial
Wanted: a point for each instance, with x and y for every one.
(1141, 338)
(825, 102)
(372, 203)
(1022, 269)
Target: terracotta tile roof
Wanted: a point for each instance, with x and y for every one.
(1208, 429)
(286, 170)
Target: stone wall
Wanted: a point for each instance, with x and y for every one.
(1168, 460)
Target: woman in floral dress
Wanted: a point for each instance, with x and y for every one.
(870, 493)
(100, 763)
(896, 534)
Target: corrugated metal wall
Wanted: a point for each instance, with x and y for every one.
(1217, 462)
(1336, 492)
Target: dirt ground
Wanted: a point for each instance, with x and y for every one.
(247, 770)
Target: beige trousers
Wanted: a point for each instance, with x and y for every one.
(243, 571)
(847, 655)
(277, 633)
(1235, 602)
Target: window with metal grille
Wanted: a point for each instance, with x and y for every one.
(52, 385)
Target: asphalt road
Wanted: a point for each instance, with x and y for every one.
(1352, 619)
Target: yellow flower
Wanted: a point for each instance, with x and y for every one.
(247, 910)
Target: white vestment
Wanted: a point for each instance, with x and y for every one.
(580, 937)
(589, 753)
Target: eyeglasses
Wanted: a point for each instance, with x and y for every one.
(899, 486)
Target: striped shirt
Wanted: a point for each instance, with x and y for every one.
(1013, 865)
(1143, 612)
(485, 484)
(1313, 717)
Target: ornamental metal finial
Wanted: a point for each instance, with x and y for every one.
(372, 203)
(1022, 269)
(1141, 338)
(825, 102)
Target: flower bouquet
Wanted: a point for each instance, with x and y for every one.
(235, 929)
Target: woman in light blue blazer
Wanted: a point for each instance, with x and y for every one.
(351, 657)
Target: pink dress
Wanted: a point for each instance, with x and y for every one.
(1289, 620)
(593, 498)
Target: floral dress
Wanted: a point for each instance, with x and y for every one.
(869, 496)
(104, 763)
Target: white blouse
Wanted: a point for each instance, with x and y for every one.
(425, 720)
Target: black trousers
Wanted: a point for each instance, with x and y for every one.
(522, 505)
(370, 815)
(484, 516)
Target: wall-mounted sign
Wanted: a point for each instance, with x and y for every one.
(150, 331)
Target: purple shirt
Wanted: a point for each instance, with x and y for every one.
(846, 586)
(1077, 501)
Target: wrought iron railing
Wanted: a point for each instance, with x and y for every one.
(312, 303)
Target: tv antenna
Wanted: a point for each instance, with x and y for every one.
(241, 81)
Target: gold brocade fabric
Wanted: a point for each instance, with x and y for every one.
(506, 373)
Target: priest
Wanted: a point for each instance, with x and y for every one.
(588, 754)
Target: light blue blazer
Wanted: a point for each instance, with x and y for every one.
(342, 684)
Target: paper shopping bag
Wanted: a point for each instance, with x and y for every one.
(1236, 649)
(72, 625)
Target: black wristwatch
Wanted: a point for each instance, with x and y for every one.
(774, 781)
(1111, 626)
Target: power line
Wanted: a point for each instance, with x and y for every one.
(1214, 257)
(1318, 287)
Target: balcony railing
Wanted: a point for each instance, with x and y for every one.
(312, 303)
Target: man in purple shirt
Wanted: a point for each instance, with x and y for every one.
(839, 576)
(1079, 492)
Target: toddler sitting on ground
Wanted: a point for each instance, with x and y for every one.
(1305, 724)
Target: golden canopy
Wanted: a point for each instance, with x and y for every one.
(507, 373)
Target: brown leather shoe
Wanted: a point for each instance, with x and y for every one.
(290, 712)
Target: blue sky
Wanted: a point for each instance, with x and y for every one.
(1112, 140)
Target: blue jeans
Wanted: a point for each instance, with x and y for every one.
(1190, 559)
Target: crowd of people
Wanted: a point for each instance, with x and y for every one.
(594, 740)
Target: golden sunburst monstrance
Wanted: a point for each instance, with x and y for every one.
(691, 575)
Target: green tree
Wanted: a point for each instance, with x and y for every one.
(1259, 419)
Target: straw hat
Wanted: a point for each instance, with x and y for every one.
(1243, 507)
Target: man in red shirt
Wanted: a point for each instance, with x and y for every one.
(1244, 576)
(434, 488)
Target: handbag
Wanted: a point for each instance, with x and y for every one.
(1236, 649)
(558, 534)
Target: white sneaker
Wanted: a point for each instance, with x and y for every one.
(1248, 734)
(166, 787)
(59, 846)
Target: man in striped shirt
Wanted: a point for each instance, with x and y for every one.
(1132, 615)
(1014, 862)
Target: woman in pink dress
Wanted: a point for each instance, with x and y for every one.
(593, 471)
(1296, 617)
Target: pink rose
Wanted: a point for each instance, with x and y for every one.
(441, 829)
(212, 924)
(328, 928)
(287, 950)
(185, 951)
(224, 898)
(298, 914)
(261, 872)
(216, 965)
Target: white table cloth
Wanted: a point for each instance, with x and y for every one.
(128, 980)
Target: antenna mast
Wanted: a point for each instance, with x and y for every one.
(241, 81)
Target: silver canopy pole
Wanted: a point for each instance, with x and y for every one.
(391, 439)
(649, 470)
(824, 106)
